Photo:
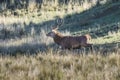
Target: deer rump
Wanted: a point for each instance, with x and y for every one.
(73, 42)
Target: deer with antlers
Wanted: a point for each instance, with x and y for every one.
(69, 42)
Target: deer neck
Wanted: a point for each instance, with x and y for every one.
(58, 38)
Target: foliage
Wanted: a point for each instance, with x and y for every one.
(48, 5)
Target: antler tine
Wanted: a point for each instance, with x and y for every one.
(59, 22)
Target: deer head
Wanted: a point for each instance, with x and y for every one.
(54, 31)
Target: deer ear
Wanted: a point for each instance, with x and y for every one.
(55, 27)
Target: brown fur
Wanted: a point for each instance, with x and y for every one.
(71, 42)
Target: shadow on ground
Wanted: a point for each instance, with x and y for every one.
(30, 49)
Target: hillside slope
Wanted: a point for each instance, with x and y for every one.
(98, 20)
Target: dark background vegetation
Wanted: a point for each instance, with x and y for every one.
(20, 4)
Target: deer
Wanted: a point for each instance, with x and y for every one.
(69, 42)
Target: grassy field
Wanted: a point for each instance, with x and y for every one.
(60, 65)
(26, 53)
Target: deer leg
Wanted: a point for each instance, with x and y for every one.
(89, 45)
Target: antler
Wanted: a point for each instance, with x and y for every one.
(59, 22)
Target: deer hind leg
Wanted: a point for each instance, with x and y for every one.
(89, 45)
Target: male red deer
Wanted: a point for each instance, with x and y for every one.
(69, 42)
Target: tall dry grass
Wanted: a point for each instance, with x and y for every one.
(60, 65)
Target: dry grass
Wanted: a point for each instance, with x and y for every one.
(60, 65)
